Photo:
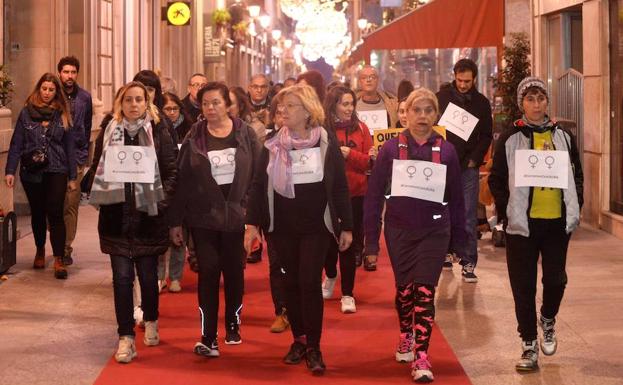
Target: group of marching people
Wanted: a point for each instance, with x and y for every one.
(294, 166)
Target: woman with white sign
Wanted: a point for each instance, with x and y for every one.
(536, 181)
(423, 216)
(300, 196)
(135, 175)
(356, 147)
(216, 166)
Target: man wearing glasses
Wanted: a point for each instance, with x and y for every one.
(191, 105)
(258, 94)
(371, 99)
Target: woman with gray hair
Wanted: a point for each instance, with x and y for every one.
(424, 214)
(538, 217)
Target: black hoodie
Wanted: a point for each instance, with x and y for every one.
(478, 105)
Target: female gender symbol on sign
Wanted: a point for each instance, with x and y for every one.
(216, 160)
(230, 159)
(303, 158)
(464, 117)
(549, 161)
(411, 171)
(137, 156)
(121, 155)
(428, 172)
(533, 159)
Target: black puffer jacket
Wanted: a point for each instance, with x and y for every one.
(123, 230)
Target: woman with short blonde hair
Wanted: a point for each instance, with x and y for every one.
(301, 198)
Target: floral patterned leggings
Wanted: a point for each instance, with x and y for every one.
(415, 304)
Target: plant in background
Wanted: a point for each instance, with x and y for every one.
(221, 17)
(516, 68)
(240, 31)
(6, 86)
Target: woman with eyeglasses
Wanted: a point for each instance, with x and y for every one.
(300, 197)
(356, 148)
(216, 166)
(423, 215)
(132, 227)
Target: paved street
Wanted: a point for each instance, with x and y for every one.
(64, 332)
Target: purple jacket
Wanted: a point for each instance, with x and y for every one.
(410, 213)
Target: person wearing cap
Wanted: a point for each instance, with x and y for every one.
(462, 92)
(538, 220)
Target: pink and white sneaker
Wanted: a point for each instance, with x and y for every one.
(421, 369)
(404, 352)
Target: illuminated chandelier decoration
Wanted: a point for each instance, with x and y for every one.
(321, 29)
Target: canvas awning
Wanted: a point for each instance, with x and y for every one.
(439, 24)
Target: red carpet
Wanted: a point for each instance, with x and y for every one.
(357, 348)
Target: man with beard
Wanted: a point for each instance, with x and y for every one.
(81, 107)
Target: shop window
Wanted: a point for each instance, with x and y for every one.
(616, 106)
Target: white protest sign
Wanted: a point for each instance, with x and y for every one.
(134, 164)
(223, 165)
(458, 121)
(306, 166)
(375, 120)
(419, 179)
(542, 169)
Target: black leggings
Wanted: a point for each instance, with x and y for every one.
(347, 257)
(549, 239)
(219, 251)
(46, 200)
(302, 257)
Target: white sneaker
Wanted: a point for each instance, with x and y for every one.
(151, 333)
(175, 286)
(327, 287)
(348, 304)
(529, 360)
(549, 344)
(126, 351)
(162, 284)
(138, 316)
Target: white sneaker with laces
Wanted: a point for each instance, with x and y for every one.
(126, 351)
(152, 338)
(327, 287)
(549, 344)
(175, 286)
(348, 304)
(529, 360)
(421, 369)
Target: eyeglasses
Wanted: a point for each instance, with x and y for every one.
(289, 106)
(198, 85)
(256, 87)
(214, 103)
(368, 78)
(171, 109)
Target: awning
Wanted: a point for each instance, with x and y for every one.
(440, 24)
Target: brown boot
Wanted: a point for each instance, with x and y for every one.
(39, 262)
(60, 272)
(280, 324)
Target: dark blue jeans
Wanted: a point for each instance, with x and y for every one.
(123, 284)
(470, 181)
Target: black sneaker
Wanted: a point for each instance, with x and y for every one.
(209, 350)
(68, 260)
(315, 362)
(232, 336)
(447, 264)
(296, 353)
(468, 273)
(255, 256)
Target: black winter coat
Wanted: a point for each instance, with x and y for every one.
(123, 230)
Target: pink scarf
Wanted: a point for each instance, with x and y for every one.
(280, 164)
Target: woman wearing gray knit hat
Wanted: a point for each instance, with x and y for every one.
(536, 181)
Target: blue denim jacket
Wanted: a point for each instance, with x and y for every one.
(82, 117)
(30, 135)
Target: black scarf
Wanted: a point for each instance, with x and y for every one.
(43, 113)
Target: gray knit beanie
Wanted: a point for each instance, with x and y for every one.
(526, 83)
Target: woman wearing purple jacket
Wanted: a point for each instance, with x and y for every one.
(425, 213)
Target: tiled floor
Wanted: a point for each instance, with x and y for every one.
(63, 332)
